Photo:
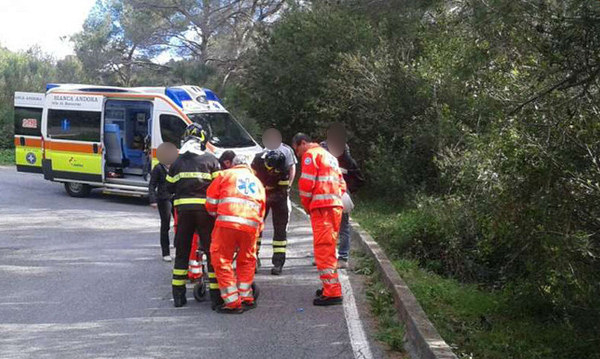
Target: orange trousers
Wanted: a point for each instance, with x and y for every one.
(235, 287)
(326, 227)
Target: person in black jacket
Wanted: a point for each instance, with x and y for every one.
(336, 145)
(189, 177)
(159, 196)
(270, 167)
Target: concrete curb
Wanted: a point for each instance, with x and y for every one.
(422, 339)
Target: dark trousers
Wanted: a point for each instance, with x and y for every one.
(165, 208)
(279, 204)
(188, 222)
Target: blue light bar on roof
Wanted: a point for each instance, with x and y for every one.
(211, 96)
(177, 95)
(51, 86)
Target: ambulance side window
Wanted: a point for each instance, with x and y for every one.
(74, 125)
(28, 121)
(171, 129)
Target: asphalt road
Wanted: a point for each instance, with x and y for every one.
(83, 278)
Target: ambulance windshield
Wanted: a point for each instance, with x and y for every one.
(223, 130)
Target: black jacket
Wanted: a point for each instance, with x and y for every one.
(189, 177)
(275, 183)
(352, 174)
(157, 189)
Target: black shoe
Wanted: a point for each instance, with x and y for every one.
(319, 292)
(226, 310)
(276, 270)
(248, 306)
(179, 299)
(325, 301)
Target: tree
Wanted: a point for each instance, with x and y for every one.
(217, 33)
(117, 40)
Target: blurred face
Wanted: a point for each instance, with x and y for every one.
(271, 139)
(336, 141)
(167, 153)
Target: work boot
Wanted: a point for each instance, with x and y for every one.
(223, 309)
(325, 301)
(215, 299)
(179, 299)
(247, 305)
(276, 270)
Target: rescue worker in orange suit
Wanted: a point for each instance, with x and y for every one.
(322, 186)
(189, 177)
(237, 199)
(270, 168)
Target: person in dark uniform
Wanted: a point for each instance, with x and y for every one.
(159, 196)
(189, 177)
(270, 167)
(337, 145)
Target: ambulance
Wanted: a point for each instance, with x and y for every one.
(106, 137)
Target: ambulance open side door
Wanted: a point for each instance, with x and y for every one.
(73, 133)
(28, 131)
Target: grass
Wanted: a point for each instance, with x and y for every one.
(476, 322)
(389, 329)
(7, 156)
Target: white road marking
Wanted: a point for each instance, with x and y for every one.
(356, 332)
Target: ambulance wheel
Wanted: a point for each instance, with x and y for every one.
(200, 291)
(75, 189)
(255, 291)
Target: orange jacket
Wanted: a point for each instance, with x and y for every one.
(321, 183)
(237, 199)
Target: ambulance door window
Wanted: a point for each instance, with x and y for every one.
(74, 125)
(28, 121)
(171, 129)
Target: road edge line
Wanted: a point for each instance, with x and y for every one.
(424, 341)
(356, 331)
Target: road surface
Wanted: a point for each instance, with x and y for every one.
(83, 278)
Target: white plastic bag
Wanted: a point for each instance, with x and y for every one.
(347, 202)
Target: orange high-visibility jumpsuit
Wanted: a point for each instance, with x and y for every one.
(237, 199)
(321, 186)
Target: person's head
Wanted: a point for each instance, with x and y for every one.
(167, 153)
(271, 139)
(226, 159)
(336, 139)
(239, 160)
(195, 131)
(300, 143)
(275, 161)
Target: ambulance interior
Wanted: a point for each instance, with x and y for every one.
(127, 141)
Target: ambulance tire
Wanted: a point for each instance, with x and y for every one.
(79, 190)
(200, 291)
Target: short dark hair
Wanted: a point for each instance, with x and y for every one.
(299, 137)
(228, 155)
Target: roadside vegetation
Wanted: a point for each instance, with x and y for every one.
(7, 156)
(389, 328)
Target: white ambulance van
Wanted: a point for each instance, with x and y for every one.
(106, 137)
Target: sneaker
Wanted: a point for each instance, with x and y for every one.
(326, 301)
(223, 309)
(342, 263)
(276, 270)
(167, 258)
